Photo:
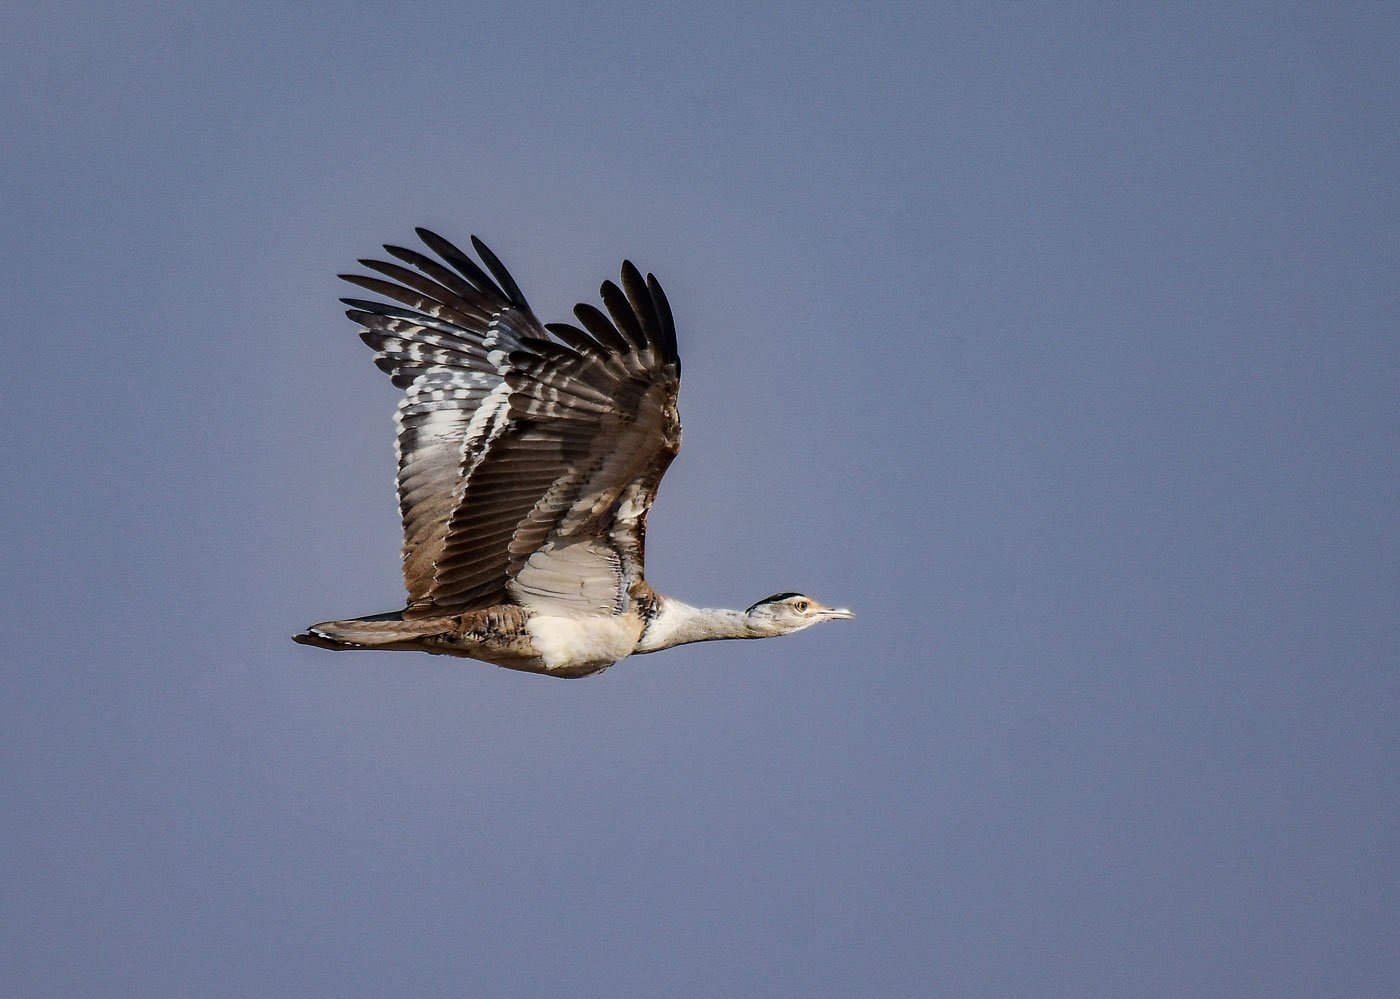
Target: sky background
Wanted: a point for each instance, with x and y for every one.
(1060, 342)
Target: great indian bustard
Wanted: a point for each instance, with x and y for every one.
(529, 455)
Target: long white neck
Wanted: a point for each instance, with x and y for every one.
(679, 624)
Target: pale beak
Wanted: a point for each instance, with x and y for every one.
(837, 614)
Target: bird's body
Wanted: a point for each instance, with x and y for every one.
(507, 635)
(529, 456)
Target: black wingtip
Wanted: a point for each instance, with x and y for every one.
(464, 264)
(642, 303)
(624, 315)
(576, 338)
(667, 320)
(601, 328)
(500, 273)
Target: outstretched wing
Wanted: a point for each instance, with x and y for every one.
(554, 508)
(527, 463)
(436, 338)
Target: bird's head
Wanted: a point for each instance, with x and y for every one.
(784, 613)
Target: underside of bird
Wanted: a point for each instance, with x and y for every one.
(498, 635)
(529, 455)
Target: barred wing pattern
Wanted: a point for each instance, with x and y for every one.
(528, 455)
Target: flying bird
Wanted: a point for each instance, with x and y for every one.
(528, 457)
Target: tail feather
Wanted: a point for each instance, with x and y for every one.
(378, 631)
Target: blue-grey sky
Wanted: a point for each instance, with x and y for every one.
(1060, 342)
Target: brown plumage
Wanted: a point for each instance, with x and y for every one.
(528, 458)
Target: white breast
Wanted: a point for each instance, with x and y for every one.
(583, 641)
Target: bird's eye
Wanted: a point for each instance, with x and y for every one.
(802, 606)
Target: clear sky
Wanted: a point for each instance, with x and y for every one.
(1059, 341)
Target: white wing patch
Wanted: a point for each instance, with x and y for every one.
(488, 417)
(578, 578)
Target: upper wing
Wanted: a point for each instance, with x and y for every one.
(438, 343)
(526, 464)
(554, 507)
